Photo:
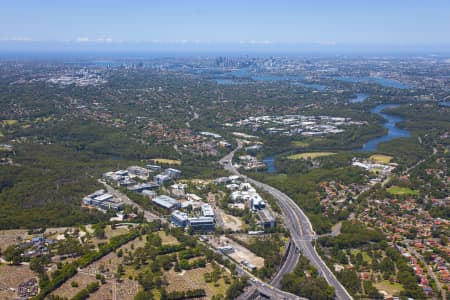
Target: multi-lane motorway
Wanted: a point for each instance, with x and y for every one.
(302, 233)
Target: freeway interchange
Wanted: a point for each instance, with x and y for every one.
(302, 235)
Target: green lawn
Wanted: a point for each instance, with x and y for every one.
(399, 190)
(390, 288)
(300, 144)
(365, 256)
(381, 158)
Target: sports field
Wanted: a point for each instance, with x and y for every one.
(310, 155)
(381, 158)
(166, 161)
(399, 190)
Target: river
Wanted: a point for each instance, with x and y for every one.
(243, 76)
(378, 80)
(391, 125)
(360, 97)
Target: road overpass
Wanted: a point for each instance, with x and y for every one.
(301, 230)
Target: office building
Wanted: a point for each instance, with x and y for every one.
(207, 211)
(203, 224)
(179, 218)
(166, 202)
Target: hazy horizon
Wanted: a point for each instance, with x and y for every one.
(205, 26)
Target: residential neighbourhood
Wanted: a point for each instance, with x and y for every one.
(419, 237)
(222, 176)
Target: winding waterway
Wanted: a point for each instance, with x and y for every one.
(378, 80)
(391, 125)
(393, 132)
(360, 97)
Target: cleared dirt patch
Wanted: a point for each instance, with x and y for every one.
(108, 265)
(82, 279)
(240, 252)
(11, 237)
(193, 279)
(11, 277)
(231, 222)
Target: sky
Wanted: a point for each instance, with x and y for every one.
(202, 24)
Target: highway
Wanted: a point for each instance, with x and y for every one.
(289, 264)
(302, 233)
(256, 285)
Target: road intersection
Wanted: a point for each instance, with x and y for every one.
(300, 227)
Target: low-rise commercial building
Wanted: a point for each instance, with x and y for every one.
(138, 171)
(178, 189)
(266, 220)
(161, 179)
(256, 202)
(193, 197)
(173, 173)
(166, 202)
(179, 218)
(102, 201)
(207, 211)
(204, 224)
(153, 168)
(143, 186)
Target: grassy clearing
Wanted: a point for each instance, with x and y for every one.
(310, 155)
(399, 190)
(44, 119)
(390, 288)
(193, 279)
(166, 161)
(115, 232)
(218, 288)
(167, 239)
(68, 291)
(301, 144)
(8, 122)
(365, 256)
(381, 158)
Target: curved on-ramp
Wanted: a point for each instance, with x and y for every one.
(302, 233)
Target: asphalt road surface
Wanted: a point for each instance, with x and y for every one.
(262, 288)
(302, 233)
